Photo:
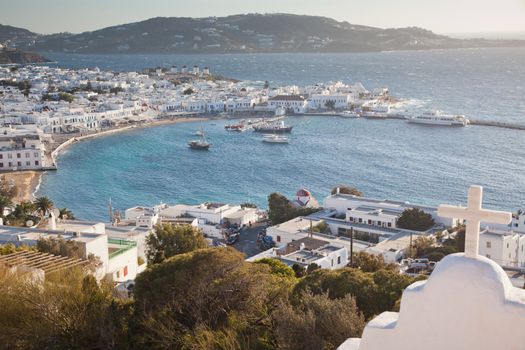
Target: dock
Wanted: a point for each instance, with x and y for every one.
(513, 126)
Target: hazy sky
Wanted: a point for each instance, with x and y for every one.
(442, 16)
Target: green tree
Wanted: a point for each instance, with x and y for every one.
(415, 219)
(207, 299)
(5, 202)
(280, 209)
(277, 267)
(188, 91)
(370, 263)
(343, 189)
(317, 322)
(44, 205)
(168, 240)
(330, 104)
(66, 214)
(312, 267)
(299, 270)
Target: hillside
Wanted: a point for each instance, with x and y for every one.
(241, 33)
(12, 56)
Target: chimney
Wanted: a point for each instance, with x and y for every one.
(302, 246)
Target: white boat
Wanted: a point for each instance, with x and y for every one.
(199, 133)
(438, 118)
(351, 114)
(275, 139)
(376, 111)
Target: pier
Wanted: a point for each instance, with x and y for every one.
(495, 124)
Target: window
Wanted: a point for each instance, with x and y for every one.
(351, 219)
(338, 260)
(28, 163)
(118, 274)
(36, 162)
(1, 156)
(369, 222)
(125, 271)
(19, 163)
(278, 238)
(28, 154)
(389, 224)
(1, 165)
(507, 245)
(36, 154)
(19, 155)
(9, 156)
(10, 164)
(332, 262)
(360, 220)
(379, 223)
(489, 244)
(488, 256)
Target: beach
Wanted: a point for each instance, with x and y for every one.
(26, 182)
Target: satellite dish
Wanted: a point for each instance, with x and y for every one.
(55, 212)
(29, 223)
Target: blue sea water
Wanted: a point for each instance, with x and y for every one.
(387, 159)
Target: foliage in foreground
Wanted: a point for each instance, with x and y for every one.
(204, 299)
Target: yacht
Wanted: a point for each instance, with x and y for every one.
(438, 118)
(279, 128)
(273, 138)
(200, 144)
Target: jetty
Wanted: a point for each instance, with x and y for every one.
(496, 124)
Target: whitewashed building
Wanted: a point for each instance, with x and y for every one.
(20, 151)
(296, 103)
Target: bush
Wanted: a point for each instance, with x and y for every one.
(415, 219)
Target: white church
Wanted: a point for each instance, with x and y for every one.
(467, 303)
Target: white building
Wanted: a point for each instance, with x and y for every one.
(319, 101)
(20, 151)
(507, 248)
(296, 103)
(118, 257)
(306, 251)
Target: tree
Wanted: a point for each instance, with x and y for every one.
(5, 202)
(169, 240)
(370, 263)
(317, 322)
(7, 188)
(311, 268)
(415, 219)
(66, 214)
(43, 205)
(422, 245)
(207, 299)
(280, 209)
(266, 84)
(66, 310)
(299, 270)
(188, 91)
(248, 205)
(60, 246)
(277, 267)
(330, 104)
(343, 189)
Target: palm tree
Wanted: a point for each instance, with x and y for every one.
(65, 213)
(5, 202)
(43, 205)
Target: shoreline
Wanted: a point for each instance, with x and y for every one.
(29, 182)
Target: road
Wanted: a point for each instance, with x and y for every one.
(247, 242)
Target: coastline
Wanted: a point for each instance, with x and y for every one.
(28, 182)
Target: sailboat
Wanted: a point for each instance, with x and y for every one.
(200, 144)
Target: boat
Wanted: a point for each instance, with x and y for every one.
(273, 138)
(439, 118)
(278, 128)
(351, 114)
(376, 111)
(239, 127)
(200, 144)
(199, 133)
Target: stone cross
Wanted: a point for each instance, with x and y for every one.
(474, 215)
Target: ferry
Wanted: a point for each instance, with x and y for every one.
(272, 138)
(239, 127)
(273, 128)
(438, 118)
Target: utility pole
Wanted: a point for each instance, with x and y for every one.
(351, 246)
(410, 248)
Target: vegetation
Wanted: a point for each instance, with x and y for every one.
(43, 205)
(321, 227)
(343, 189)
(169, 240)
(188, 91)
(280, 209)
(370, 263)
(61, 96)
(330, 104)
(10, 248)
(427, 247)
(8, 191)
(203, 299)
(66, 214)
(415, 219)
(248, 205)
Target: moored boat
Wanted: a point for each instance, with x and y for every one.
(278, 128)
(201, 144)
(273, 138)
(440, 119)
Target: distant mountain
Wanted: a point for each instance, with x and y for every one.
(241, 33)
(11, 56)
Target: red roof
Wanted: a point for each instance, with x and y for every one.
(303, 193)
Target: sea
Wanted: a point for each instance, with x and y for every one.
(385, 159)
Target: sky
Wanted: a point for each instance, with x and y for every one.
(440, 16)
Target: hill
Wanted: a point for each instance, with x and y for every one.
(13, 56)
(241, 33)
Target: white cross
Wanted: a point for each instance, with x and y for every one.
(474, 215)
